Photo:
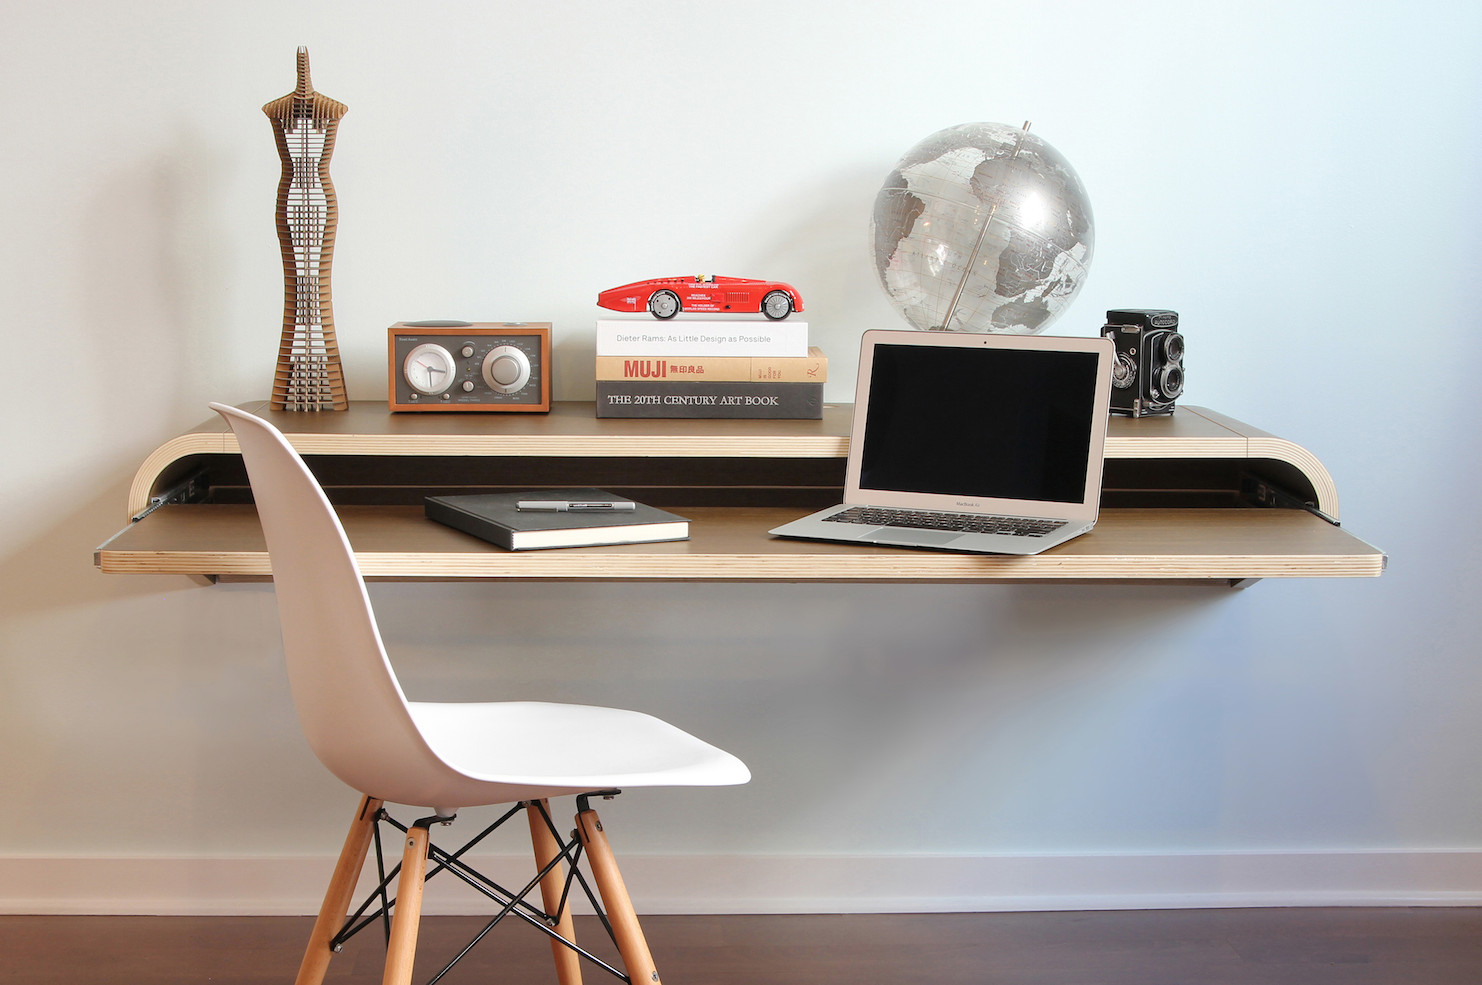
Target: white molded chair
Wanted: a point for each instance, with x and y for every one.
(444, 756)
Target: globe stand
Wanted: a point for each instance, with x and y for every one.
(967, 271)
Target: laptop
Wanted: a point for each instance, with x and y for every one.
(965, 442)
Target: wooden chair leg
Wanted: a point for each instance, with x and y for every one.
(337, 898)
(568, 963)
(402, 949)
(630, 942)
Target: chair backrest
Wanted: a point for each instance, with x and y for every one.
(350, 705)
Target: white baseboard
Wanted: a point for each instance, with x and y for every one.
(788, 884)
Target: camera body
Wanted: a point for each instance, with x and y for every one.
(1148, 373)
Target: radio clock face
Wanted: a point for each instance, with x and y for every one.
(429, 368)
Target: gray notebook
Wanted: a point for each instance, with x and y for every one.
(964, 442)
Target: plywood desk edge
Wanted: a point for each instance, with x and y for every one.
(1263, 444)
(732, 545)
(410, 566)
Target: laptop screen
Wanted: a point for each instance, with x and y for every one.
(987, 423)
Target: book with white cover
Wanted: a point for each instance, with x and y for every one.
(651, 337)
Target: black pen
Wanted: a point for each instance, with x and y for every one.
(568, 506)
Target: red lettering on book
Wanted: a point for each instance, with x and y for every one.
(644, 368)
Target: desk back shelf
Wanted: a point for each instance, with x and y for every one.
(1171, 494)
(366, 448)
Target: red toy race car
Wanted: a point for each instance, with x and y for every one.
(665, 297)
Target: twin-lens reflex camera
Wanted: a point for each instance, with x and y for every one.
(1148, 373)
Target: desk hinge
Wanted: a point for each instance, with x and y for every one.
(192, 489)
(1263, 492)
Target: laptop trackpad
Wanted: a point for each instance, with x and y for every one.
(911, 537)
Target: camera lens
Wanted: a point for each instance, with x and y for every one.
(1171, 381)
(1173, 347)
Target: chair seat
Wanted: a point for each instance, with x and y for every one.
(538, 743)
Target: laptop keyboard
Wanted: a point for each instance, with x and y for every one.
(962, 522)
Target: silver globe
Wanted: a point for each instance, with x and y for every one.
(982, 227)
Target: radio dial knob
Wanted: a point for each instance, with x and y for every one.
(506, 369)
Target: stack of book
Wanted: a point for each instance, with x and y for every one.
(743, 369)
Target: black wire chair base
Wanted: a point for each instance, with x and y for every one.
(511, 903)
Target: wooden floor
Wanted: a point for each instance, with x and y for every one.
(1310, 946)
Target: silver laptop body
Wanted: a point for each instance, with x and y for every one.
(962, 442)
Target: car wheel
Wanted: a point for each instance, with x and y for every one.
(777, 305)
(663, 304)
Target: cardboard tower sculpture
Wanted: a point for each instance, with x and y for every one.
(308, 376)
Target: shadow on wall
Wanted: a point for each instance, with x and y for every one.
(54, 568)
(841, 697)
(994, 726)
(147, 690)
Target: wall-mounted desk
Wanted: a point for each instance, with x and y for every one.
(1173, 507)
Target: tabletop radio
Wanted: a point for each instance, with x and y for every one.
(469, 366)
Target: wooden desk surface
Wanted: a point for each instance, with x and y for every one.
(731, 544)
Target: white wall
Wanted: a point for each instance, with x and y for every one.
(1299, 180)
